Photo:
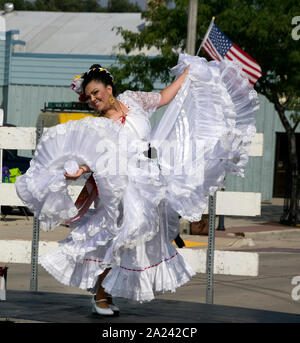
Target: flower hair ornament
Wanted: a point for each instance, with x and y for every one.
(76, 84)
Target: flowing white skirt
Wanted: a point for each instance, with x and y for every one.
(135, 218)
(209, 125)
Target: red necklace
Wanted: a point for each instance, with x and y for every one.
(123, 118)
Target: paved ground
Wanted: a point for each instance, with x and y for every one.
(68, 308)
(236, 298)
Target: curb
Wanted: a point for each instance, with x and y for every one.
(274, 235)
(19, 251)
(225, 262)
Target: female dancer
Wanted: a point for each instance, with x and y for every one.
(99, 91)
(123, 247)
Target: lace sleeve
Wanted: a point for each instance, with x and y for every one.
(147, 100)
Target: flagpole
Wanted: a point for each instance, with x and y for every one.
(207, 33)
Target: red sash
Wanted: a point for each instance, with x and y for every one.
(86, 197)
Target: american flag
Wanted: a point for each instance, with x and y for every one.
(219, 47)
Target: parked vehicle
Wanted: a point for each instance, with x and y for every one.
(11, 160)
(60, 112)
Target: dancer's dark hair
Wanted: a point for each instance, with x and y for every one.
(100, 74)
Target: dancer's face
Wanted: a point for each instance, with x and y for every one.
(98, 96)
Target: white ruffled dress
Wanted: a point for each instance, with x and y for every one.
(205, 133)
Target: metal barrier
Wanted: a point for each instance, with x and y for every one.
(36, 230)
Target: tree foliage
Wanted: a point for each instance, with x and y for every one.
(122, 6)
(165, 30)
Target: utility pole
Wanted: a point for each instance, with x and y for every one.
(192, 27)
(191, 49)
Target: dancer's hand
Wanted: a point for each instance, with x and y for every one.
(81, 170)
(186, 70)
(75, 176)
(168, 94)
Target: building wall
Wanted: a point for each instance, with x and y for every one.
(259, 175)
(51, 69)
(26, 101)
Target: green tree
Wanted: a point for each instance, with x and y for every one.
(67, 5)
(263, 28)
(165, 30)
(122, 6)
(20, 5)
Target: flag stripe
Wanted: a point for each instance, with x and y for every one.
(214, 55)
(250, 76)
(254, 72)
(207, 49)
(251, 64)
(250, 70)
(245, 54)
(209, 52)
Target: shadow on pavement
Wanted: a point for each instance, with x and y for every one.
(70, 308)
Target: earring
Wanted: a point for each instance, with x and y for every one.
(111, 100)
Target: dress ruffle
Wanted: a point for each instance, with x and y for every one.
(210, 125)
(135, 279)
(43, 188)
(145, 270)
(145, 283)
